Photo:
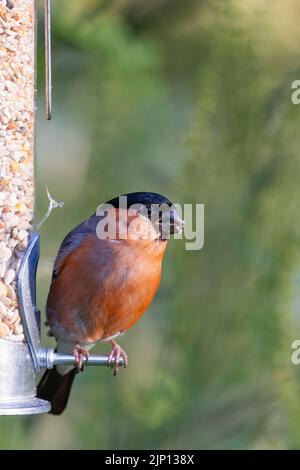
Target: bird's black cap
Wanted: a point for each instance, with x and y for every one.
(145, 198)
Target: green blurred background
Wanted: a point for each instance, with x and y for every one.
(191, 99)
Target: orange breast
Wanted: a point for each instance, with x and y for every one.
(103, 287)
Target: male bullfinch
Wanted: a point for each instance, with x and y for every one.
(105, 276)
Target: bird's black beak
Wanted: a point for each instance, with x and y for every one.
(176, 222)
(168, 223)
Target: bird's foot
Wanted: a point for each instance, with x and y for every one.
(116, 354)
(81, 356)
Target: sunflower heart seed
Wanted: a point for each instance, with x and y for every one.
(4, 330)
(11, 292)
(5, 254)
(9, 276)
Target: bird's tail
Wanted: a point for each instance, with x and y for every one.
(56, 388)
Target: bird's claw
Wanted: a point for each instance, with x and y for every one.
(116, 354)
(81, 356)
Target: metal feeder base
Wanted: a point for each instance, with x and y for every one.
(30, 407)
(18, 381)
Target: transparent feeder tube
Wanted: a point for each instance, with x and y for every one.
(17, 121)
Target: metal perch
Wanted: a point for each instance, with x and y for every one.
(49, 358)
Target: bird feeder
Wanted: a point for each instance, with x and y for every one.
(21, 355)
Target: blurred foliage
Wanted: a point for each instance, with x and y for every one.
(191, 99)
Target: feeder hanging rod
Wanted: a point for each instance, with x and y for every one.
(48, 64)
